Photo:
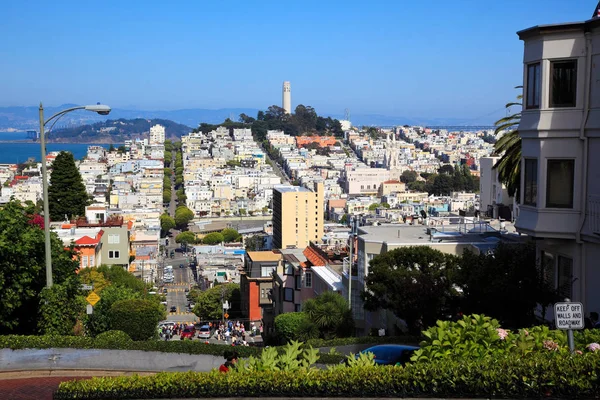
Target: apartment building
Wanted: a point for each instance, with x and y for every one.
(256, 283)
(157, 134)
(560, 174)
(297, 215)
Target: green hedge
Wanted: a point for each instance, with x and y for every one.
(317, 343)
(534, 376)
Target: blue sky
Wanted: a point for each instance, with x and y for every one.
(400, 58)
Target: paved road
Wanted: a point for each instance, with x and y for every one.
(278, 170)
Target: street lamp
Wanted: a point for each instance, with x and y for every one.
(98, 108)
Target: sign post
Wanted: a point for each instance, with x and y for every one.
(568, 315)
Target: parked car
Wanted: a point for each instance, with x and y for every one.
(187, 333)
(204, 332)
(391, 354)
(180, 265)
(173, 309)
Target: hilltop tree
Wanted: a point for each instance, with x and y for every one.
(66, 193)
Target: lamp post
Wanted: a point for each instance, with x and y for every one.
(98, 108)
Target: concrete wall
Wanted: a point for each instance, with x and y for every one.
(91, 359)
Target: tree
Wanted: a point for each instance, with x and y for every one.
(344, 219)
(22, 268)
(294, 326)
(330, 312)
(443, 185)
(385, 205)
(120, 277)
(121, 149)
(209, 304)
(507, 284)
(99, 321)
(254, 243)
(183, 216)
(168, 172)
(508, 147)
(91, 276)
(243, 212)
(374, 206)
(446, 169)
(185, 237)
(66, 193)
(230, 235)
(246, 119)
(415, 283)
(136, 317)
(166, 223)
(408, 176)
(111, 148)
(61, 307)
(166, 196)
(213, 238)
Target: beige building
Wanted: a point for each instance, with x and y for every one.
(297, 215)
(391, 186)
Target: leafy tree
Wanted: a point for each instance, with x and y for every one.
(230, 235)
(183, 216)
(507, 284)
(121, 149)
(167, 196)
(243, 212)
(415, 283)
(111, 148)
(374, 206)
(61, 306)
(446, 169)
(22, 268)
(213, 238)
(185, 237)
(120, 277)
(209, 304)
(66, 193)
(331, 314)
(91, 276)
(294, 326)
(509, 148)
(344, 219)
(443, 185)
(168, 172)
(408, 176)
(246, 119)
(178, 181)
(99, 321)
(166, 223)
(136, 317)
(254, 243)
(385, 205)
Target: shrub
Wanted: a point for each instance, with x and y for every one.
(112, 340)
(294, 326)
(364, 340)
(536, 375)
(136, 317)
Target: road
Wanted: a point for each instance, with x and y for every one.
(278, 170)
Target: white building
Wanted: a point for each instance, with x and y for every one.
(493, 194)
(157, 134)
(560, 170)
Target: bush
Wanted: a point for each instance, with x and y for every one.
(112, 340)
(534, 376)
(136, 317)
(364, 340)
(294, 326)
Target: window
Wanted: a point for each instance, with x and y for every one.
(288, 294)
(92, 261)
(548, 269)
(84, 261)
(266, 272)
(297, 307)
(298, 282)
(308, 280)
(113, 239)
(565, 276)
(530, 184)
(288, 269)
(113, 254)
(563, 87)
(559, 183)
(533, 86)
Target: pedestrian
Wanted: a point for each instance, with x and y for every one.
(231, 358)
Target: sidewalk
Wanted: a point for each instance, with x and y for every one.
(32, 388)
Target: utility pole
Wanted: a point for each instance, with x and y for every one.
(353, 232)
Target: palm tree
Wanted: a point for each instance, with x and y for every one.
(508, 147)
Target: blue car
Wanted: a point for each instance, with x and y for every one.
(391, 354)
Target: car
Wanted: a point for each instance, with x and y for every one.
(173, 309)
(187, 333)
(204, 332)
(391, 354)
(163, 302)
(180, 265)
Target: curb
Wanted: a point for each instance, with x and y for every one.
(27, 374)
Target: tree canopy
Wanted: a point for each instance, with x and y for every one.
(183, 216)
(166, 223)
(230, 235)
(330, 313)
(209, 304)
(213, 238)
(66, 194)
(185, 237)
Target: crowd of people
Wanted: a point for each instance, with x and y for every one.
(234, 332)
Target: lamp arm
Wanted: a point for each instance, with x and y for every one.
(58, 114)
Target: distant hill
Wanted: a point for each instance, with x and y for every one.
(117, 131)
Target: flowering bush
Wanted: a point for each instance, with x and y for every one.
(593, 347)
(502, 333)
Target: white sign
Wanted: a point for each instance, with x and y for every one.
(226, 305)
(86, 287)
(568, 315)
(89, 309)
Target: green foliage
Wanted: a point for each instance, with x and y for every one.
(120, 277)
(295, 326)
(408, 176)
(91, 276)
(166, 196)
(230, 235)
(66, 193)
(22, 268)
(534, 376)
(183, 216)
(123, 129)
(292, 358)
(374, 206)
(330, 313)
(213, 238)
(254, 243)
(99, 321)
(506, 284)
(168, 172)
(136, 317)
(415, 283)
(166, 223)
(60, 308)
(209, 304)
(112, 340)
(185, 237)
(373, 340)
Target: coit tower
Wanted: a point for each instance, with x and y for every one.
(287, 97)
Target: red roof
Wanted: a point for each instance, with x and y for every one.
(314, 257)
(88, 241)
(392, 181)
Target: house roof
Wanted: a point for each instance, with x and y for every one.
(88, 241)
(264, 256)
(314, 257)
(392, 181)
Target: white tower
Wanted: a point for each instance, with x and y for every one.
(287, 97)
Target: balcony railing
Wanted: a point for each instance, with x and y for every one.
(594, 213)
